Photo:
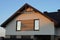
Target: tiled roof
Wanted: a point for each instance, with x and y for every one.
(54, 15)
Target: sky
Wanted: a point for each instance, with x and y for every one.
(9, 7)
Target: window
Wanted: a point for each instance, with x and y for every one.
(27, 25)
(36, 24)
(26, 37)
(7, 36)
(18, 25)
(12, 36)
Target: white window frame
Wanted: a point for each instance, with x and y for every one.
(37, 24)
(18, 26)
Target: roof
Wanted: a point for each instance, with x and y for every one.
(54, 15)
(19, 12)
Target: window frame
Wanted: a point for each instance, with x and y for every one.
(34, 25)
(17, 24)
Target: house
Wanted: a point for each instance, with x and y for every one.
(2, 33)
(28, 23)
(56, 17)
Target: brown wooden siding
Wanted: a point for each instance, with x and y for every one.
(27, 19)
(27, 25)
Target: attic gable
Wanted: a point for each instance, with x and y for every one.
(25, 7)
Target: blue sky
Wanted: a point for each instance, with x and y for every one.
(8, 7)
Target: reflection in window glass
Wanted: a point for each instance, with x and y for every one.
(18, 25)
(36, 24)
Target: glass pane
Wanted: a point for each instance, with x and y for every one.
(19, 25)
(36, 24)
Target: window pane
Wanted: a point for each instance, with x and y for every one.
(18, 25)
(36, 24)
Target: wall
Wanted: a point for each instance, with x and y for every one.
(2, 32)
(46, 26)
(57, 31)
